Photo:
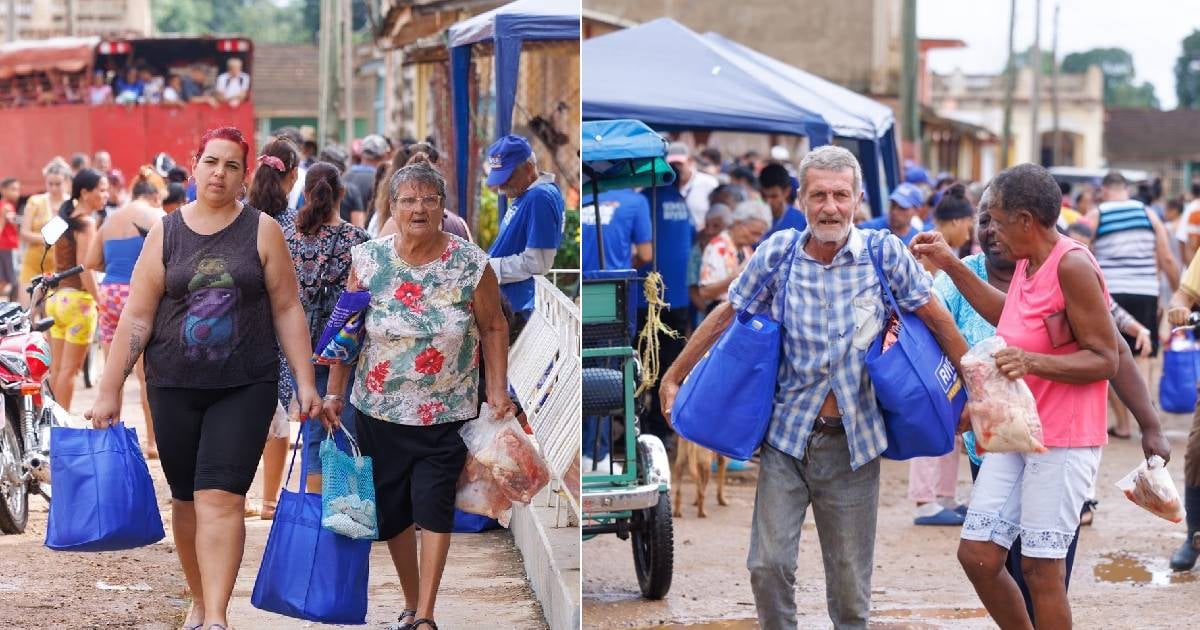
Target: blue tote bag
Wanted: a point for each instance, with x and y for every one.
(1181, 370)
(307, 571)
(725, 403)
(919, 391)
(103, 495)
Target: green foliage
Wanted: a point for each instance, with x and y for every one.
(487, 224)
(1116, 64)
(264, 21)
(1025, 58)
(567, 256)
(1187, 72)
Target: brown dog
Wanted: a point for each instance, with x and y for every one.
(697, 460)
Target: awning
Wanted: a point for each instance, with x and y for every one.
(623, 154)
(62, 54)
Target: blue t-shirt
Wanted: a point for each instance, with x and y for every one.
(534, 221)
(673, 224)
(881, 223)
(625, 217)
(791, 219)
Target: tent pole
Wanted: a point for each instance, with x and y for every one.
(599, 225)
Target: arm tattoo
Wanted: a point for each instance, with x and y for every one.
(137, 343)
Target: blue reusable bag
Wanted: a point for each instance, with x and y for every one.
(919, 391)
(1181, 370)
(725, 403)
(347, 490)
(103, 495)
(307, 571)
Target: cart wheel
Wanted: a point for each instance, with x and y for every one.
(654, 547)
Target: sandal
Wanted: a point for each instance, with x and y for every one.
(197, 626)
(400, 623)
(1112, 432)
(268, 510)
(424, 622)
(1089, 512)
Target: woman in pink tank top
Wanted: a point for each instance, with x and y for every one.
(1066, 354)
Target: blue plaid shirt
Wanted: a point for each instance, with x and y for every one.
(832, 314)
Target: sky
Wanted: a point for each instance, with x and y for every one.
(1151, 30)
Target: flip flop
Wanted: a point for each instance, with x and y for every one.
(1113, 433)
(945, 517)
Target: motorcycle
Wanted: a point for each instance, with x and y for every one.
(26, 397)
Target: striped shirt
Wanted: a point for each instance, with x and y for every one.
(831, 314)
(1126, 248)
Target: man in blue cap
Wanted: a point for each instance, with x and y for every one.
(906, 201)
(531, 230)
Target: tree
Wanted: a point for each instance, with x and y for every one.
(1116, 64)
(1187, 72)
(264, 21)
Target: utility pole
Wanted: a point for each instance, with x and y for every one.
(12, 21)
(326, 124)
(908, 81)
(1011, 75)
(1035, 138)
(1057, 149)
(71, 17)
(348, 71)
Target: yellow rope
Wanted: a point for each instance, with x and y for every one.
(647, 343)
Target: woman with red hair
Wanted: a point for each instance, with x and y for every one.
(213, 291)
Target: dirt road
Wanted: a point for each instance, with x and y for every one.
(143, 588)
(1121, 578)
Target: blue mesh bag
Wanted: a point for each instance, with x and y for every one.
(347, 490)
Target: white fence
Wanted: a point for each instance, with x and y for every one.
(544, 369)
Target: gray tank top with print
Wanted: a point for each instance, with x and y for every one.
(214, 327)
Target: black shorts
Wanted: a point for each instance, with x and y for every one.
(211, 439)
(1143, 308)
(416, 473)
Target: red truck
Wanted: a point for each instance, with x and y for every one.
(44, 109)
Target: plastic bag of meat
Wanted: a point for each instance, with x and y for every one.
(1150, 486)
(503, 467)
(1003, 412)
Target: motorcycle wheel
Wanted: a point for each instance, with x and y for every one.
(14, 498)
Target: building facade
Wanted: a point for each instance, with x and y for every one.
(979, 100)
(42, 19)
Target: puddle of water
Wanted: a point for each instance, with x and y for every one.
(734, 624)
(1127, 568)
(932, 613)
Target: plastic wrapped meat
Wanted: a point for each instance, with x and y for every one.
(1150, 487)
(1003, 412)
(503, 467)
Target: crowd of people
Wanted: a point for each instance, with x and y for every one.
(139, 83)
(720, 235)
(214, 284)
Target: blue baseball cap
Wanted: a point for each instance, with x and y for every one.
(908, 196)
(504, 156)
(916, 175)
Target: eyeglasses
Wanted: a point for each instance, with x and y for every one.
(429, 202)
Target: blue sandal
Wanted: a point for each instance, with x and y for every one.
(944, 518)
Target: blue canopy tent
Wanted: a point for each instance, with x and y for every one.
(850, 114)
(715, 84)
(702, 87)
(508, 27)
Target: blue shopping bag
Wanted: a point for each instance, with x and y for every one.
(1181, 370)
(725, 403)
(347, 490)
(919, 391)
(307, 571)
(103, 495)
(467, 523)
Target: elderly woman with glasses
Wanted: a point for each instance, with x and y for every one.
(435, 304)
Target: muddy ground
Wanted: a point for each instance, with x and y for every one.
(1121, 578)
(144, 589)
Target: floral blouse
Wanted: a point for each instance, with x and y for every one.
(722, 260)
(322, 258)
(419, 363)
